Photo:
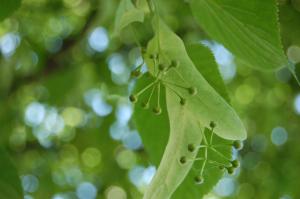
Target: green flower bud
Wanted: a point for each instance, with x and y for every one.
(230, 170)
(212, 124)
(238, 145)
(162, 67)
(133, 98)
(235, 163)
(156, 110)
(136, 73)
(199, 179)
(192, 90)
(145, 105)
(175, 63)
(182, 101)
(182, 160)
(153, 56)
(191, 147)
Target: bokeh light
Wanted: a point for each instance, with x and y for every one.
(98, 39)
(86, 190)
(279, 136)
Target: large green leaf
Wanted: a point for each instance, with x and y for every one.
(186, 122)
(10, 186)
(249, 29)
(126, 14)
(7, 7)
(204, 61)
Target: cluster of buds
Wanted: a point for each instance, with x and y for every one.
(228, 164)
(160, 70)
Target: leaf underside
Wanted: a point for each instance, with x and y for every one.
(185, 122)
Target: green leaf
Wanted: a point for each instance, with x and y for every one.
(209, 104)
(7, 7)
(148, 128)
(186, 122)
(206, 65)
(126, 14)
(249, 29)
(10, 186)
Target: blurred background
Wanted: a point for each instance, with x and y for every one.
(66, 120)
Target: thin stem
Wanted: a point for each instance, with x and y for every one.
(173, 91)
(204, 137)
(180, 75)
(217, 163)
(204, 162)
(219, 153)
(174, 84)
(196, 159)
(221, 145)
(158, 94)
(146, 88)
(211, 137)
(202, 146)
(152, 91)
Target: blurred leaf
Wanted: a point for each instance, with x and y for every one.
(126, 14)
(249, 29)
(10, 186)
(7, 7)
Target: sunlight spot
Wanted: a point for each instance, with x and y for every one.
(124, 113)
(293, 53)
(117, 131)
(115, 192)
(86, 190)
(94, 98)
(225, 187)
(279, 136)
(9, 43)
(98, 39)
(91, 157)
(30, 183)
(132, 140)
(53, 122)
(297, 104)
(34, 114)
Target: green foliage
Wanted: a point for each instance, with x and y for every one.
(66, 119)
(126, 14)
(10, 186)
(249, 29)
(185, 123)
(8, 7)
